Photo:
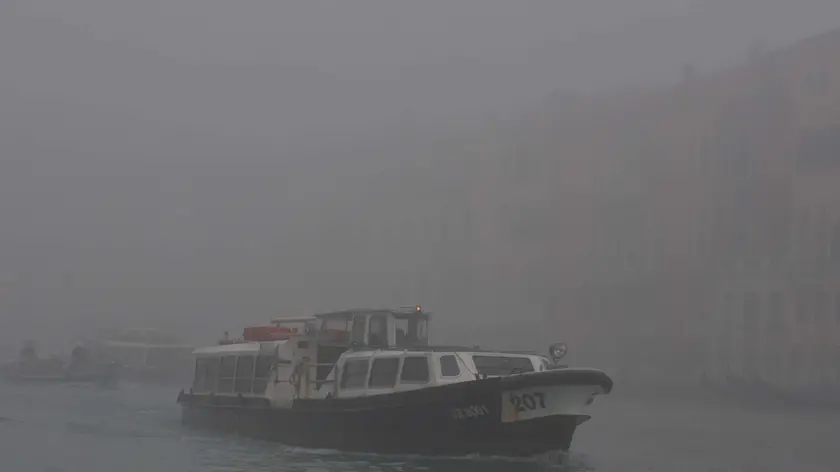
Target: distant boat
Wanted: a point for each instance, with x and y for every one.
(80, 369)
(146, 356)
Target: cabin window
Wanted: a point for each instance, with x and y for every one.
(500, 365)
(378, 331)
(415, 370)
(244, 374)
(227, 372)
(410, 331)
(400, 331)
(419, 327)
(198, 376)
(449, 366)
(204, 374)
(358, 335)
(262, 371)
(212, 374)
(355, 374)
(336, 330)
(383, 372)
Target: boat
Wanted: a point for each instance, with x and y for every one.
(368, 380)
(146, 356)
(81, 368)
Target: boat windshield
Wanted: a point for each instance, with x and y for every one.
(502, 365)
(335, 331)
(411, 331)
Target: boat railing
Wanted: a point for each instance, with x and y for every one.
(322, 381)
(302, 378)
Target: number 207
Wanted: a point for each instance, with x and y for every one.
(527, 401)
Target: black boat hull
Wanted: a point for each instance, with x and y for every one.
(452, 420)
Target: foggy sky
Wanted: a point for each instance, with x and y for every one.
(180, 160)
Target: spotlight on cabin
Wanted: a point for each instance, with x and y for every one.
(557, 351)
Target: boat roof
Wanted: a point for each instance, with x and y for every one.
(397, 312)
(252, 347)
(294, 319)
(465, 349)
(404, 312)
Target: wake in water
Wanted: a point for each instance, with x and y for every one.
(565, 462)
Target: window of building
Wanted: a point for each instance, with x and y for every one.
(834, 249)
(818, 81)
(818, 149)
(837, 311)
(796, 360)
(502, 365)
(803, 234)
(227, 373)
(823, 360)
(383, 372)
(355, 373)
(449, 366)
(802, 309)
(752, 312)
(244, 374)
(775, 313)
(727, 309)
(415, 370)
(821, 313)
(835, 363)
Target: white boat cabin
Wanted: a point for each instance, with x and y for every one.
(379, 371)
(293, 357)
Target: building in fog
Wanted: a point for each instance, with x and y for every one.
(692, 229)
(777, 317)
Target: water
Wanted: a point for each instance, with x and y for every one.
(61, 428)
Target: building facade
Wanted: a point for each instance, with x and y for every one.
(779, 322)
(692, 230)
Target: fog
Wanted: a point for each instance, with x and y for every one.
(198, 165)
